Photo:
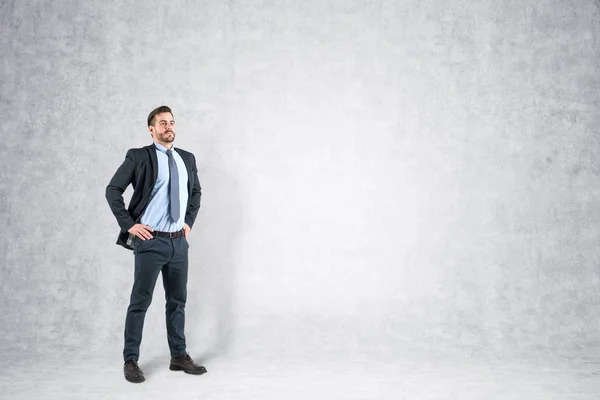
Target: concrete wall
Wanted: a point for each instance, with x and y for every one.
(374, 173)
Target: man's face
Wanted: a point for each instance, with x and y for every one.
(163, 129)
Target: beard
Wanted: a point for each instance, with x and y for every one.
(166, 137)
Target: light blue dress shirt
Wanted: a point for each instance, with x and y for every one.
(157, 215)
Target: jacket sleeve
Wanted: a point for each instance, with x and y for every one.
(114, 191)
(195, 195)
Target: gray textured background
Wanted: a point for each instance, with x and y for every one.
(377, 175)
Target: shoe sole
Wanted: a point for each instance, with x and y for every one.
(187, 371)
(133, 380)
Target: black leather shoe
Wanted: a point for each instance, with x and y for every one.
(133, 373)
(187, 365)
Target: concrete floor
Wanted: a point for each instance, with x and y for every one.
(416, 375)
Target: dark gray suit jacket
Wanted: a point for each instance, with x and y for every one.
(140, 169)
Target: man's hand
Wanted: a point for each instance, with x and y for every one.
(186, 229)
(142, 231)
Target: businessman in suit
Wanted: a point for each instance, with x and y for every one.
(156, 224)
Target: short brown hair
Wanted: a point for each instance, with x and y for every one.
(155, 112)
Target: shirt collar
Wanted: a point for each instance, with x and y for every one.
(162, 148)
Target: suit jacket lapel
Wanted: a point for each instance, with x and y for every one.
(187, 166)
(152, 151)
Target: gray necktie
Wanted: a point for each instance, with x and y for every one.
(173, 187)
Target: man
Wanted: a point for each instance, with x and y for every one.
(160, 216)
